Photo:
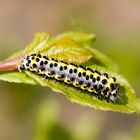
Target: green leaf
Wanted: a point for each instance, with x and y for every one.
(69, 51)
(16, 77)
(86, 41)
(38, 44)
(127, 103)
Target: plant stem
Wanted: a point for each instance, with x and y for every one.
(10, 64)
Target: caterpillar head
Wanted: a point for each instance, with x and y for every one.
(27, 62)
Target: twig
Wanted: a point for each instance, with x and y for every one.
(10, 64)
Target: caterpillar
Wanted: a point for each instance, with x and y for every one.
(98, 84)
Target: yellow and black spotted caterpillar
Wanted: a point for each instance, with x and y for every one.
(100, 85)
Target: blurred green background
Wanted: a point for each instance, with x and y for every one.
(37, 113)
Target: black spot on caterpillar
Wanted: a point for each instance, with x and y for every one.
(100, 85)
